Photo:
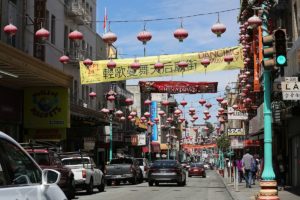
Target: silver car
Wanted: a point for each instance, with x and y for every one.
(20, 176)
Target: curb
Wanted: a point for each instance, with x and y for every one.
(227, 188)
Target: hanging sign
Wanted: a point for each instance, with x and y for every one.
(235, 132)
(99, 72)
(174, 87)
(236, 114)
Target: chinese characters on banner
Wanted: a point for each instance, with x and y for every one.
(99, 72)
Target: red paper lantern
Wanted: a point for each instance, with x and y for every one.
(147, 114)
(161, 112)
(158, 66)
(181, 34)
(205, 112)
(195, 117)
(208, 105)
(87, 62)
(182, 65)
(92, 94)
(143, 119)
(202, 101)
(218, 28)
(254, 21)
(42, 34)
(235, 106)
(147, 102)
(133, 113)
(105, 110)
(129, 101)
(183, 103)
(10, 29)
(122, 118)
(111, 98)
(119, 113)
(192, 110)
(144, 36)
(165, 103)
(219, 99)
(111, 64)
(156, 120)
(177, 112)
(75, 35)
(109, 38)
(228, 58)
(64, 59)
(135, 65)
(205, 62)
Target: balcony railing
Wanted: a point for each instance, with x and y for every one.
(74, 8)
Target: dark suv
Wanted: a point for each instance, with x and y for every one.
(48, 159)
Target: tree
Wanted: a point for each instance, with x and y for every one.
(223, 143)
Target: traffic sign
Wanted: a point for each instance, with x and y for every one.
(290, 90)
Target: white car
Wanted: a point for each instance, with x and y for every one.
(86, 175)
(20, 176)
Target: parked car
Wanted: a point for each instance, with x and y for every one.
(48, 159)
(123, 169)
(197, 169)
(166, 171)
(144, 166)
(22, 178)
(87, 176)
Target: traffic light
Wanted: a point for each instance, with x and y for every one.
(280, 47)
(274, 51)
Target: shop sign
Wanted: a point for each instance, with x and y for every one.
(141, 139)
(237, 115)
(235, 132)
(290, 88)
(237, 143)
(134, 140)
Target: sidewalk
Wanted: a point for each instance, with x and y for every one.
(244, 193)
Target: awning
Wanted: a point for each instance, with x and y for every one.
(155, 147)
(251, 143)
(20, 70)
(163, 146)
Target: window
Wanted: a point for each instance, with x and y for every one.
(66, 39)
(16, 168)
(47, 20)
(53, 29)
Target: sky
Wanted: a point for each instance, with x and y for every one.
(163, 42)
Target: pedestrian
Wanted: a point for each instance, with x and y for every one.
(247, 162)
(254, 169)
(239, 166)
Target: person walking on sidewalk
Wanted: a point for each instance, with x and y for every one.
(247, 162)
(239, 166)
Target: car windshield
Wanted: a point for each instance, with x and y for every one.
(197, 165)
(121, 161)
(75, 161)
(41, 158)
(164, 164)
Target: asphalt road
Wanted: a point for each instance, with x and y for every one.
(197, 188)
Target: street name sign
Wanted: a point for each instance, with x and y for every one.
(290, 88)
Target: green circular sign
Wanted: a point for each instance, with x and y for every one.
(281, 60)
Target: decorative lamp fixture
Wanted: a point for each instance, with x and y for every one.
(228, 58)
(235, 107)
(10, 29)
(218, 28)
(130, 117)
(111, 64)
(156, 120)
(143, 119)
(254, 21)
(105, 110)
(42, 34)
(205, 112)
(88, 62)
(64, 59)
(158, 66)
(169, 119)
(182, 65)
(248, 86)
(129, 101)
(230, 112)
(202, 101)
(254, 107)
(119, 113)
(182, 119)
(177, 112)
(133, 113)
(181, 33)
(75, 35)
(221, 110)
(192, 110)
(208, 105)
(195, 117)
(109, 38)
(147, 114)
(165, 103)
(135, 65)
(122, 118)
(205, 62)
(183, 103)
(224, 103)
(248, 100)
(92, 94)
(144, 36)
(133, 120)
(205, 118)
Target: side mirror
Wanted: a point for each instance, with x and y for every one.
(50, 176)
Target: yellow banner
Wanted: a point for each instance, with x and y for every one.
(99, 72)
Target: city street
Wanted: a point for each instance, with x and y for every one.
(209, 188)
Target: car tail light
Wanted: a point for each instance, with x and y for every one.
(83, 173)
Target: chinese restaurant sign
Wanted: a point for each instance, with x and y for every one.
(46, 107)
(174, 87)
(99, 72)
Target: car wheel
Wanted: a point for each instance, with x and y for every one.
(90, 187)
(101, 187)
(150, 183)
(156, 183)
(108, 182)
(71, 189)
(204, 176)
